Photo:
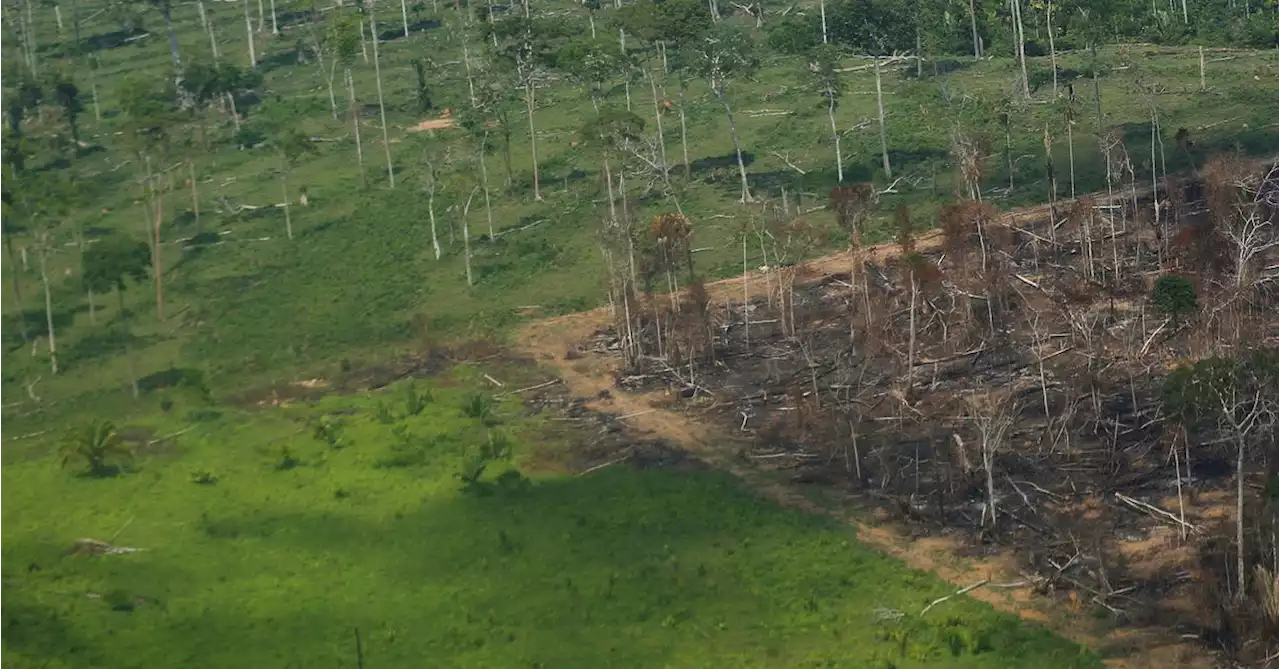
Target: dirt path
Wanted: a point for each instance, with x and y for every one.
(549, 340)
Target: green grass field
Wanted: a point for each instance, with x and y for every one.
(272, 567)
(275, 566)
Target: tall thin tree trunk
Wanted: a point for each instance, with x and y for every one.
(284, 192)
(533, 138)
(822, 11)
(167, 11)
(404, 16)
(248, 33)
(737, 148)
(262, 17)
(657, 123)
(684, 134)
(275, 25)
(911, 336)
(93, 90)
(884, 137)
(484, 181)
(355, 122)
(1022, 51)
(208, 27)
(973, 26)
(48, 303)
(466, 238)
(1239, 516)
(1097, 88)
(333, 72)
(835, 137)
(431, 212)
(466, 62)
(382, 109)
(1053, 52)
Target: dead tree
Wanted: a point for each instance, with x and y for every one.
(991, 413)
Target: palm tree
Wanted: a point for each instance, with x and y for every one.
(97, 445)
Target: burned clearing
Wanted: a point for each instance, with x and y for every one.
(1078, 390)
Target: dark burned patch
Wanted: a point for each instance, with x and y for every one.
(578, 440)
(351, 378)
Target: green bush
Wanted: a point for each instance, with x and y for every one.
(1174, 296)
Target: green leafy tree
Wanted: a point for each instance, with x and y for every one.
(1174, 296)
(526, 46)
(291, 144)
(43, 199)
(110, 265)
(67, 95)
(201, 83)
(591, 63)
(727, 53)
(22, 95)
(97, 446)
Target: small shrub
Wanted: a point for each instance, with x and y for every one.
(1174, 296)
(203, 478)
(328, 431)
(480, 407)
(287, 461)
(98, 447)
(415, 402)
(383, 414)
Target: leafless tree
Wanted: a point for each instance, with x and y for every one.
(991, 413)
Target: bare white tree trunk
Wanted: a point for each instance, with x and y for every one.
(275, 24)
(404, 16)
(737, 147)
(355, 121)
(248, 33)
(657, 122)
(533, 137)
(484, 180)
(1022, 51)
(884, 136)
(284, 192)
(822, 11)
(466, 237)
(431, 210)
(382, 108)
(835, 137)
(48, 302)
(1053, 53)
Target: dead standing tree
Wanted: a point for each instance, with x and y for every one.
(991, 413)
(853, 205)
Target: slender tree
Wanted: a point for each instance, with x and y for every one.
(382, 109)
(825, 68)
(108, 266)
(727, 53)
(291, 144)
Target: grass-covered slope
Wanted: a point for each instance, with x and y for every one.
(276, 567)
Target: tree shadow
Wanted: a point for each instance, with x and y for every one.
(393, 34)
(713, 163)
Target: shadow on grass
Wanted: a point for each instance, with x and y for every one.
(651, 549)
